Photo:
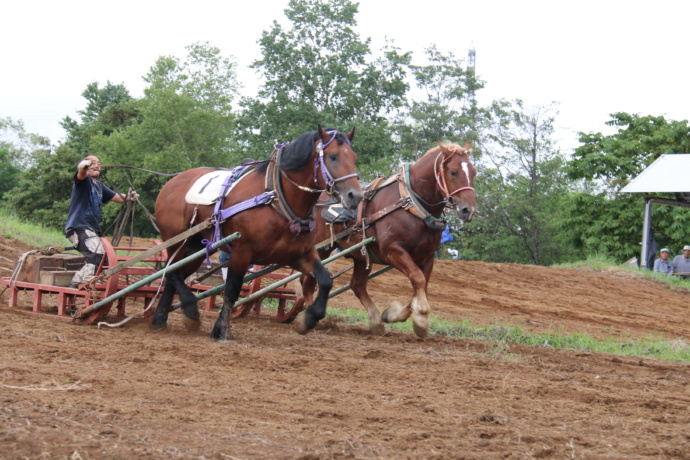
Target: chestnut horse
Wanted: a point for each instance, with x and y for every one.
(279, 230)
(403, 213)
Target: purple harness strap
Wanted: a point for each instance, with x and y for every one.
(220, 214)
(296, 225)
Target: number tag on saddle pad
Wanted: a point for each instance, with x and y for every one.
(336, 213)
(206, 190)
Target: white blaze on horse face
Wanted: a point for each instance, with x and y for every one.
(467, 172)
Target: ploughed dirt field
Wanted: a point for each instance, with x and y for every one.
(82, 392)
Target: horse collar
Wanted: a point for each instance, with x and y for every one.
(296, 224)
(412, 205)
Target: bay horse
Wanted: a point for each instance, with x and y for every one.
(279, 230)
(404, 212)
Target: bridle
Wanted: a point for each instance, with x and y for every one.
(320, 163)
(441, 177)
(325, 173)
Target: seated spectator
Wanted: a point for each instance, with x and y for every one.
(663, 264)
(681, 263)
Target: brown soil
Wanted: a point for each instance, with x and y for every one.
(71, 391)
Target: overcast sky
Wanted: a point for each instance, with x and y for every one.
(592, 57)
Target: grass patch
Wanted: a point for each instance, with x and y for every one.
(29, 232)
(500, 335)
(595, 261)
(599, 262)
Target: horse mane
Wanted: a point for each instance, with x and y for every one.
(436, 149)
(296, 154)
(453, 147)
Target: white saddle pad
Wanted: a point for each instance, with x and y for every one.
(206, 189)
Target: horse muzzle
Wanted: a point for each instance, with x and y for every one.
(465, 211)
(351, 197)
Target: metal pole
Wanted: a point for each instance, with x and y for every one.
(340, 290)
(218, 289)
(267, 289)
(160, 273)
(156, 249)
(645, 231)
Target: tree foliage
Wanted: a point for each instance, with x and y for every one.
(43, 190)
(315, 69)
(107, 109)
(599, 219)
(318, 70)
(618, 158)
(448, 107)
(520, 188)
(21, 147)
(18, 151)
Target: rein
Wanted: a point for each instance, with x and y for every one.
(142, 169)
(172, 174)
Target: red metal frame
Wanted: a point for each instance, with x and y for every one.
(70, 299)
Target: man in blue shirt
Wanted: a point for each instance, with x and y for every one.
(83, 227)
(662, 264)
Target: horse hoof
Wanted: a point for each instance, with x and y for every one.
(222, 336)
(390, 314)
(158, 327)
(300, 325)
(421, 331)
(192, 325)
(379, 329)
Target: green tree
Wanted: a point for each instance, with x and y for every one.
(9, 171)
(599, 218)
(520, 186)
(18, 151)
(107, 109)
(319, 71)
(448, 108)
(185, 120)
(22, 147)
(187, 117)
(44, 189)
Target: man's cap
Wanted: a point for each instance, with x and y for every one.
(665, 250)
(686, 248)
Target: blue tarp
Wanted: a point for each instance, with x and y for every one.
(446, 235)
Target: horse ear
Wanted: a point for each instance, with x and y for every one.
(467, 148)
(351, 134)
(322, 134)
(443, 148)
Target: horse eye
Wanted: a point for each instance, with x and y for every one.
(333, 157)
(453, 173)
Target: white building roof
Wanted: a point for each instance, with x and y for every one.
(669, 173)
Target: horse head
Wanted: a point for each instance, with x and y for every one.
(337, 163)
(454, 176)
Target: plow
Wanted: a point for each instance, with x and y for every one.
(129, 273)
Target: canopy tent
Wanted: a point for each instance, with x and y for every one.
(668, 174)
